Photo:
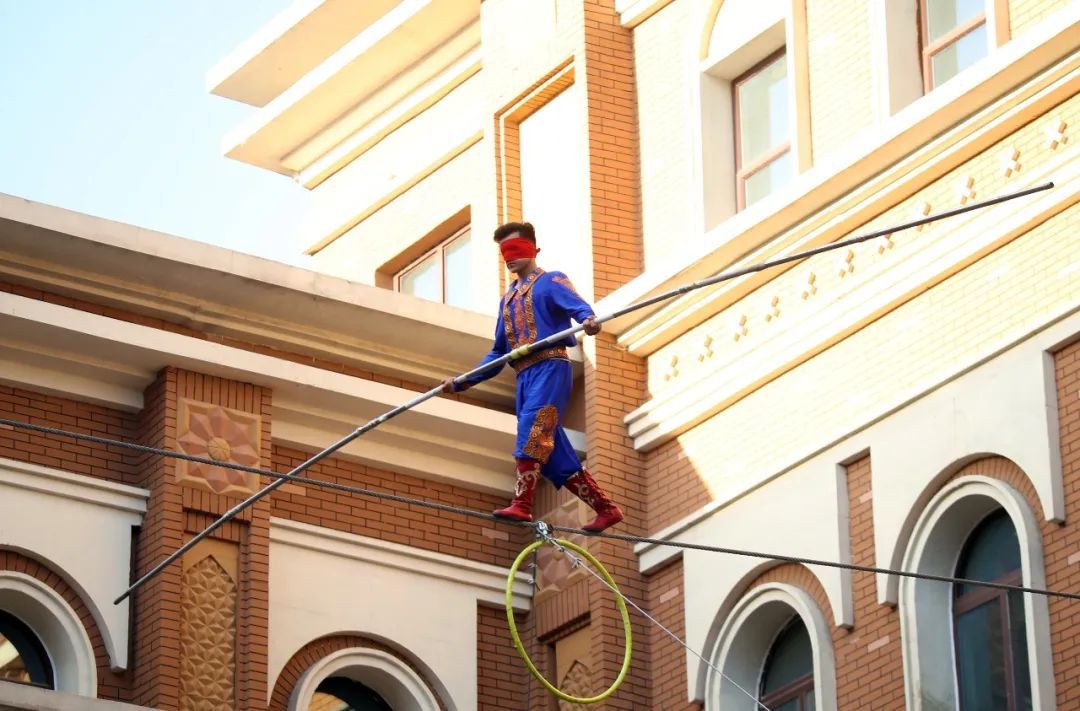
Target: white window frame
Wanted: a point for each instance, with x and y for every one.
(391, 678)
(440, 251)
(926, 620)
(747, 636)
(57, 626)
(725, 58)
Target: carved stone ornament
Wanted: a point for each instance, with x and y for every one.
(221, 434)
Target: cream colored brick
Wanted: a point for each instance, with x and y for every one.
(841, 83)
(1025, 14)
(664, 47)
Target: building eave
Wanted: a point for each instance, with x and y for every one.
(290, 45)
(234, 295)
(382, 65)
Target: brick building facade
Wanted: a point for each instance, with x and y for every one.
(910, 403)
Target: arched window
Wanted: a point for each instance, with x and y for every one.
(787, 682)
(338, 693)
(22, 655)
(988, 624)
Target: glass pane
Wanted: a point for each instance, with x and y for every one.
(1018, 635)
(768, 179)
(808, 702)
(792, 705)
(959, 55)
(763, 111)
(980, 658)
(326, 702)
(789, 659)
(943, 16)
(423, 280)
(459, 291)
(991, 552)
(12, 667)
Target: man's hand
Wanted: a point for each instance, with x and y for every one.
(448, 386)
(591, 326)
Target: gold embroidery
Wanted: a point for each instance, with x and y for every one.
(520, 321)
(530, 318)
(542, 435)
(534, 358)
(511, 337)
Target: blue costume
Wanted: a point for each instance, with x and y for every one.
(534, 308)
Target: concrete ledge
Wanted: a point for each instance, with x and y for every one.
(20, 697)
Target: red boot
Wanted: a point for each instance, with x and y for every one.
(583, 486)
(520, 509)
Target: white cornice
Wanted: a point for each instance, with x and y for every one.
(56, 482)
(633, 12)
(239, 296)
(836, 197)
(488, 581)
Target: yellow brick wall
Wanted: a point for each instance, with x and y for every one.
(841, 80)
(664, 48)
(997, 298)
(1025, 14)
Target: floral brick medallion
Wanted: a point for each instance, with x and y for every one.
(221, 434)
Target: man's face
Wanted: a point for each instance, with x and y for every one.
(515, 265)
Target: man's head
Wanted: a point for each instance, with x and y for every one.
(517, 242)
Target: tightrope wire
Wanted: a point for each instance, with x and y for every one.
(361, 491)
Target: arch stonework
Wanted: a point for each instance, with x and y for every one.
(789, 584)
(112, 685)
(961, 497)
(314, 652)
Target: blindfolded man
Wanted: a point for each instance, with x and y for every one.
(536, 305)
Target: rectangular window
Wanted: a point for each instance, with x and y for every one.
(763, 160)
(953, 36)
(443, 274)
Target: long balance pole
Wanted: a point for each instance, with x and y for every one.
(550, 341)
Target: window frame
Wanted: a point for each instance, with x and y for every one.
(928, 49)
(33, 652)
(794, 690)
(440, 250)
(967, 602)
(744, 173)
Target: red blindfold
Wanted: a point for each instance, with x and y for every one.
(517, 248)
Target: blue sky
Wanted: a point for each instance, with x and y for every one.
(104, 110)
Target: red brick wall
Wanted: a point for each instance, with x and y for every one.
(88, 458)
(666, 602)
(408, 524)
(676, 490)
(111, 685)
(1061, 543)
(503, 678)
(614, 176)
(613, 388)
(871, 648)
(157, 603)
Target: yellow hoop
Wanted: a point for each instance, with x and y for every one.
(620, 603)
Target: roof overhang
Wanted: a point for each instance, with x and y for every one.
(318, 104)
(233, 295)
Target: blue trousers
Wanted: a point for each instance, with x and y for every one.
(543, 390)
